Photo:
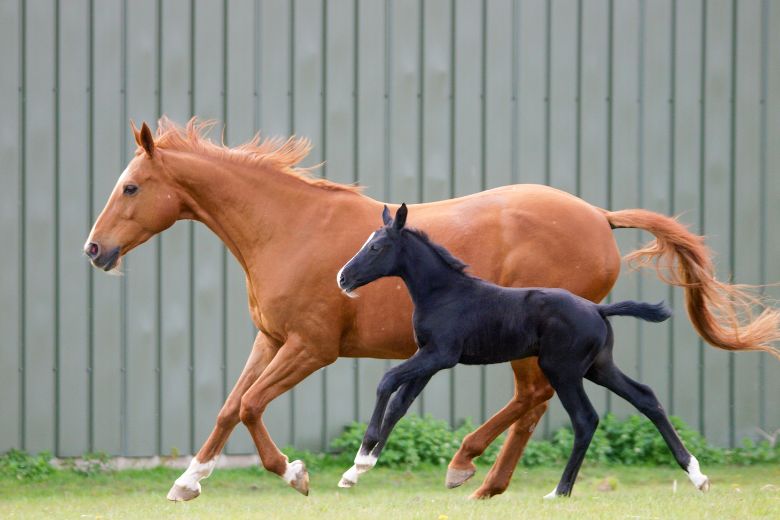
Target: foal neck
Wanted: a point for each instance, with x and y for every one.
(426, 274)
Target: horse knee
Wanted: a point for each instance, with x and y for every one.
(229, 416)
(251, 411)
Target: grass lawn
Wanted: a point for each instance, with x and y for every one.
(737, 492)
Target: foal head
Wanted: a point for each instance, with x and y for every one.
(141, 205)
(380, 255)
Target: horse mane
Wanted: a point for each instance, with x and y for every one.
(275, 152)
(452, 262)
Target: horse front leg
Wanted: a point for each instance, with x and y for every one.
(522, 413)
(294, 361)
(187, 486)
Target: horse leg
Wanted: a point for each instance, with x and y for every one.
(187, 486)
(584, 420)
(525, 409)
(396, 409)
(604, 372)
(293, 362)
(424, 362)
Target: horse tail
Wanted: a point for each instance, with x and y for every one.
(722, 313)
(655, 312)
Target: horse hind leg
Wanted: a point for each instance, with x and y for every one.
(584, 420)
(604, 372)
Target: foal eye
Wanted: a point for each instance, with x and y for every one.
(130, 189)
(374, 247)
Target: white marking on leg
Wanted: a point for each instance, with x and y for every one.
(552, 494)
(293, 470)
(349, 478)
(364, 462)
(196, 472)
(699, 479)
(338, 275)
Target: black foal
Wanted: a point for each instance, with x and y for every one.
(459, 318)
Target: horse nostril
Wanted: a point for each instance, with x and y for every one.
(92, 250)
(342, 279)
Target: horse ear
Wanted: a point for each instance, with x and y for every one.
(400, 217)
(136, 133)
(146, 139)
(386, 218)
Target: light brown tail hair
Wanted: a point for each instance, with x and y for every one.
(728, 316)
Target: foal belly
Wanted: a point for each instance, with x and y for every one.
(496, 353)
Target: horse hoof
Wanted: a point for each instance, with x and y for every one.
(481, 494)
(297, 476)
(705, 486)
(349, 478)
(456, 477)
(552, 495)
(182, 493)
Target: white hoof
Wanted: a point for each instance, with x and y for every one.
(552, 494)
(349, 478)
(182, 493)
(698, 478)
(297, 476)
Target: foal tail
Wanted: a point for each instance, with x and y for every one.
(655, 312)
(722, 313)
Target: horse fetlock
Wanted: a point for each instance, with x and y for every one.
(187, 486)
(699, 479)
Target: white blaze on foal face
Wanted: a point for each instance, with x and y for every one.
(338, 275)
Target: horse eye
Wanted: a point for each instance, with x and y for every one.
(374, 247)
(130, 189)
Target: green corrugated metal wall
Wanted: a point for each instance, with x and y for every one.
(670, 106)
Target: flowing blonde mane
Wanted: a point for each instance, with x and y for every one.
(276, 152)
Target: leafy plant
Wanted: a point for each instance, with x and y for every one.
(22, 466)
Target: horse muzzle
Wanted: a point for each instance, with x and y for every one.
(105, 260)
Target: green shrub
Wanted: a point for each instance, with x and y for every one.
(20, 465)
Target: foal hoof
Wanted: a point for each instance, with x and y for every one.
(349, 478)
(456, 477)
(297, 476)
(182, 493)
(704, 486)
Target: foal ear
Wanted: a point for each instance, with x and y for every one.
(146, 139)
(386, 218)
(400, 217)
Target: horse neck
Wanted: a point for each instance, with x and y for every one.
(427, 276)
(246, 208)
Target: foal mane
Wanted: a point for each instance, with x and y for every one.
(452, 262)
(276, 152)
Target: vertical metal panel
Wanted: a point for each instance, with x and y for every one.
(308, 96)
(339, 397)
(747, 188)
(372, 103)
(276, 43)
(176, 365)
(467, 167)
(655, 181)
(107, 136)
(209, 251)
(39, 215)
(435, 150)
(140, 72)
(625, 167)
(771, 374)
(685, 199)
(240, 126)
(73, 273)
(592, 163)
(717, 198)
(11, 204)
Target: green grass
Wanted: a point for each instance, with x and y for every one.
(737, 492)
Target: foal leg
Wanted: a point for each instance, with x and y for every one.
(521, 413)
(187, 486)
(604, 372)
(584, 421)
(396, 409)
(292, 363)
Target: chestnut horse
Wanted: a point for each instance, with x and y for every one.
(264, 209)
